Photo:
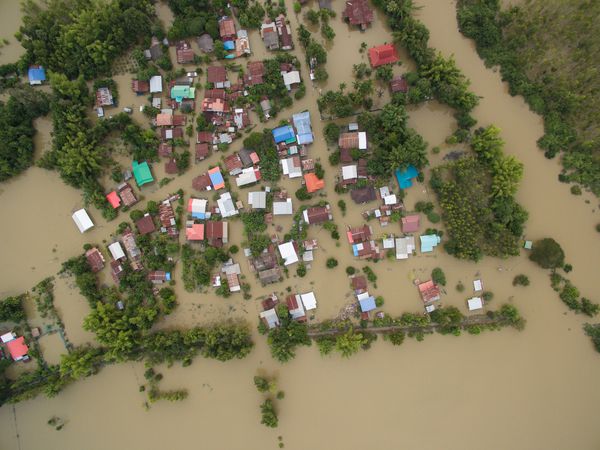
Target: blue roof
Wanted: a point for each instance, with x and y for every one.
(229, 45)
(404, 177)
(37, 74)
(199, 215)
(283, 134)
(428, 242)
(168, 276)
(216, 178)
(367, 304)
(303, 128)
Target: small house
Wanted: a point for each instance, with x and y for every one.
(283, 208)
(358, 13)
(359, 234)
(363, 195)
(165, 150)
(292, 167)
(296, 308)
(216, 178)
(304, 133)
(126, 194)
(171, 167)
(405, 247)
(159, 276)
(309, 301)
(291, 78)
(142, 173)
(113, 199)
(233, 164)
(477, 286)
(269, 318)
(399, 84)
(256, 73)
(227, 28)
(405, 176)
(366, 302)
(429, 242)
(288, 253)
(194, 232)
(317, 215)
(202, 182)
(145, 225)
(383, 54)
(216, 233)
(429, 291)
(36, 75)
(257, 199)
(197, 208)
(82, 220)
(475, 303)
(248, 176)
(226, 205)
(313, 183)
(95, 259)
(359, 284)
(285, 33)
(16, 346)
(140, 87)
(353, 140)
(156, 85)
(268, 32)
(116, 271)
(269, 276)
(410, 224)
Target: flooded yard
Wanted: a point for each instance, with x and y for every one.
(520, 390)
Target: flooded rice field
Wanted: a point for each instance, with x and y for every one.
(533, 389)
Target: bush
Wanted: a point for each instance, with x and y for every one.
(302, 194)
(269, 416)
(438, 276)
(234, 249)
(11, 309)
(262, 384)
(487, 296)
(334, 158)
(331, 132)
(521, 280)
(548, 254)
(370, 274)
(567, 268)
(331, 263)
(460, 287)
(350, 270)
(576, 190)
(433, 217)
(588, 307)
(379, 301)
(342, 206)
(301, 270)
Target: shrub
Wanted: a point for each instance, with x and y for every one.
(301, 270)
(379, 301)
(269, 416)
(350, 270)
(302, 194)
(521, 280)
(334, 158)
(487, 296)
(262, 384)
(342, 206)
(370, 274)
(438, 276)
(567, 268)
(588, 307)
(576, 190)
(331, 263)
(548, 254)
(234, 249)
(11, 309)
(460, 287)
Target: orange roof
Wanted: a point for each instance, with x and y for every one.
(163, 119)
(113, 199)
(195, 232)
(17, 348)
(313, 183)
(384, 54)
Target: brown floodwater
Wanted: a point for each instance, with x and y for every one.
(527, 390)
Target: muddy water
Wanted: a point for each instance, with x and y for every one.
(529, 390)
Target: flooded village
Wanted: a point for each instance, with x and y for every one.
(303, 242)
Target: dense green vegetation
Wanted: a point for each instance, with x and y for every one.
(476, 194)
(195, 17)
(547, 52)
(11, 309)
(16, 129)
(547, 253)
(285, 338)
(74, 37)
(198, 265)
(264, 146)
(273, 86)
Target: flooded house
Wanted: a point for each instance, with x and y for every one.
(248, 176)
(194, 231)
(257, 199)
(156, 86)
(206, 43)
(159, 276)
(226, 206)
(114, 200)
(353, 140)
(140, 87)
(202, 182)
(429, 242)
(359, 284)
(285, 32)
(36, 75)
(317, 215)
(126, 194)
(16, 347)
(405, 247)
(134, 252)
(270, 318)
(95, 259)
(165, 150)
(184, 52)
(216, 233)
(288, 253)
(363, 195)
(410, 223)
(313, 183)
(296, 308)
(358, 13)
(82, 220)
(269, 35)
(399, 84)
(429, 291)
(155, 51)
(227, 29)
(145, 225)
(255, 74)
(283, 207)
(382, 55)
(233, 164)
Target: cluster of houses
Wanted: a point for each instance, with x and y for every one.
(297, 306)
(277, 35)
(365, 301)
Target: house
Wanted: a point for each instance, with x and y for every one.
(16, 346)
(156, 84)
(366, 302)
(242, 44)
(116, 271)
(317, 215)
(285, 33)
(226, 205)
(141, 173)
(383, 54)
(104, 97)
(475, 303)
(165, 150)
(359, 234)
(269, 276)
(291, 78)
(202, 182)
(155, 50)
(352, 140)
(269, 318)
(126, 194)
(292, 167)
(269, 34)
(140, 87)
(82, 220)
(304, 133)
(116, 251)
(284, 134)
(36, 75)
(428, 242)
(283, 208)
(132, 250)
(359, 284)
(366, 250)
(265, 105)
(296, 308)
(350, 174)
(233, 164)
(233, 281)
(405, 247)
(206, 43)
(159, 276)
(113, 199)
(217, 75)
(95, 259)
(171, 133)
(257, 199)
(216, 178)
(248, 176)
(309, 301)
(249, 157)
(429, 291)
(288, 253)
(204, 137)
(216, 233)
(194, 231)
(164, 120)
(197, 208)
(145, 225)
(477, 286)
(184, 52)
(358, 13)
(405, 176)
(410, 224)
(227, 28)
(313, 183)
(363, 195)
(179, 92)
(399, 84)
(256, 73)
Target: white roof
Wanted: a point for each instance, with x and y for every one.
(389, 243)
(309, 300)
(257, 199)
(349, 172)
(308, 256)
(116, 250)
(475, 303)
(430, 308)
(156, 102)
(231, 268)
(404, 247)
(477, 285)
(390, 199)
(82, 220)
(199, 205)
(247, 176)
(270, 317)
(353, 126)
(283, 208)
(290, 169)
(288, 253)
(299, 311)
(362, 140)
(384, 191)
(226, 206)
(156, 84)
(362, 296)
(7, 337)
(290, 78)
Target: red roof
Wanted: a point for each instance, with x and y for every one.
(360, 234)
(179, 120)
(399, 84)
(318, 214)
(195, 232)
(358, 12)
(359, 283)
(171, 167)
(256, 68)
(410, 224)
(233, 163)
(95, 259)
(127, 195)
(166, 214)
(17, 348)
(201, 182)
(165, 149)
(384, 54)
(202, 151)
(429, 291)
(226, 27)
(204, 137)
(217, 74)
(215, 93)
(163, 120)
(145, 225)
(185, 54)
(313, 183)
(140, 87)
(113, 199)
(215, 231)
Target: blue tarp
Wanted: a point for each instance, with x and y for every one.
(428, 242)
(36, 74)
(168, 276)
(283, 134)
(216, 179)
(229, 45)
(404, 177)
(303, 128)
(197, 215)
(367, 304)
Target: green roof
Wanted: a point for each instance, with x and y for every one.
(180, 92)
(142, 174)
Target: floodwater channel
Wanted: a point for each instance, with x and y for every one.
(520, 390)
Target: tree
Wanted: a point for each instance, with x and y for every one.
(547, 253)
(521, 280)
(331, 263)
(269, 416)
(327, 32)
(262, 384)
(349, 343)
(11, 309)
(302, 194)
(284, 339)
(331, 132)
(438, 276)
